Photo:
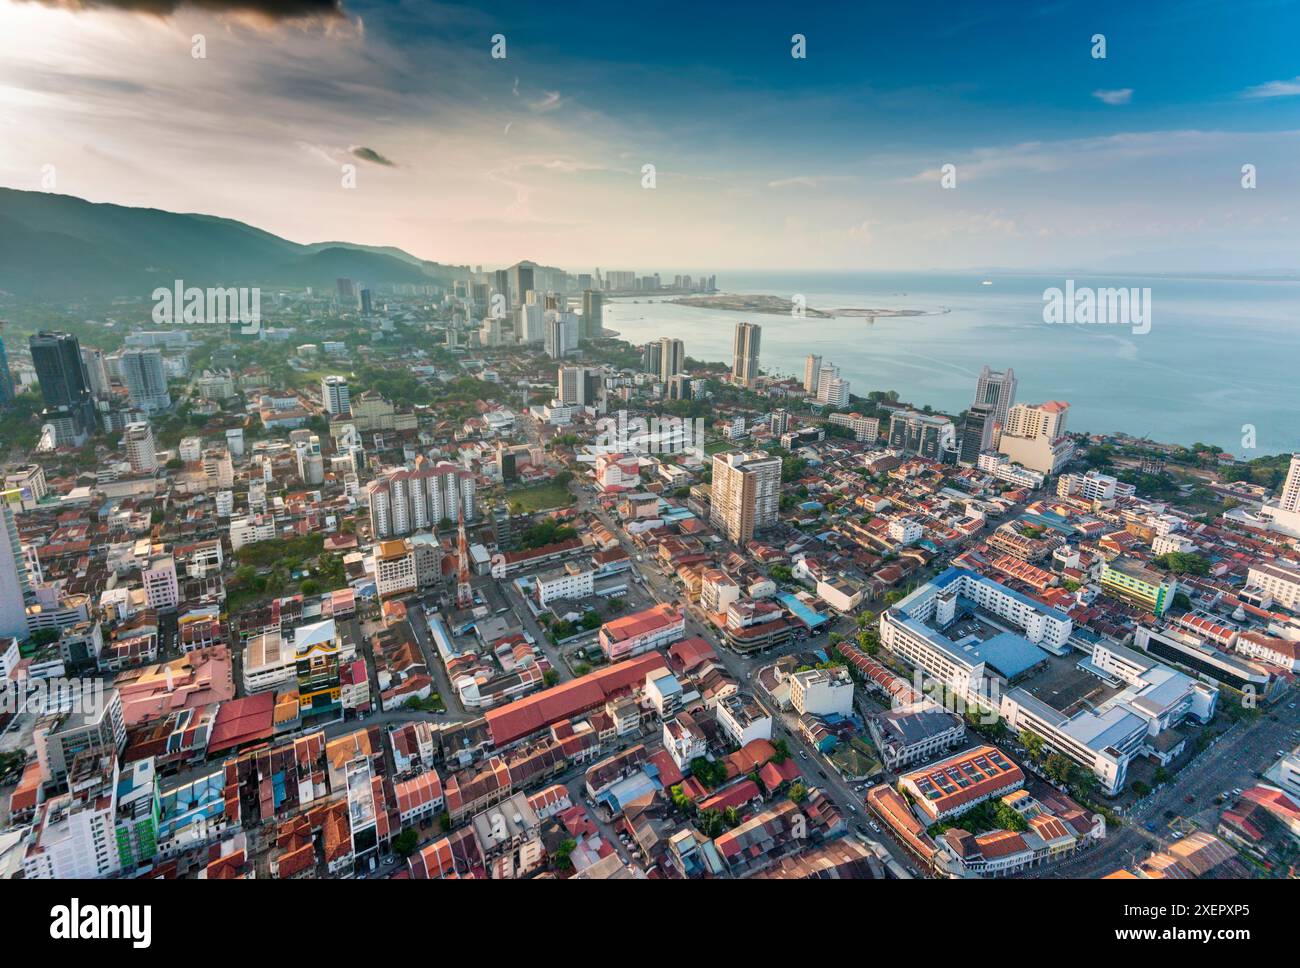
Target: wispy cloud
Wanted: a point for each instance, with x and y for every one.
(267, 9)
(1289, 88)
(1122, 95)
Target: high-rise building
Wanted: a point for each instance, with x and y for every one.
(56, 357)
(680, 387)
(140, 450)
(652, 356)
(976, 432)
(812, 369)
(15, 584)
(529, 324)
(577, 385)
(365, 302)
(6, 379)
(744, 357)
(145, 379)
(96, 373)
(521, 281)
(923, 434)
(745, 494)
(404, 501)
(997, 389)
(831, 389)
(1289, 497)
(593, 314)
(347, 294)
(1034, 436)
(335, 397)
(560, 334)
(501, 285)
(672, 358)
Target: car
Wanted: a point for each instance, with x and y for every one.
(1237, 792)
(1150, 825)
(874, 826)
(803, 753)
(852, 808)
(1281, 753)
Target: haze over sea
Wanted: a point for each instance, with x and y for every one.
(1221, 353)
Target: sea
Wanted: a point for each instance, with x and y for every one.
(1219, 365)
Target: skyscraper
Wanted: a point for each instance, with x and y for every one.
(593, 314)
(997, 390)
(976, 432)
(6, 380)
(145, 379)
(672, 358)
(56, 358)
(335, 396)
(812, 368)
(15, 586)
(745, 493)
(140, 450)
(831, 389)
(744, 357)
(650, 358)
(1034, 436)
(521, 282)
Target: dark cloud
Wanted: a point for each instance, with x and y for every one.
(271, 9)
(371, 155)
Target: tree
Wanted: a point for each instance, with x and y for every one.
(782, 751)
(563, 858)
(550, 677)
(798, 793)
(404, 844)
(1059, 768)
(444, 821)
(1033, 743)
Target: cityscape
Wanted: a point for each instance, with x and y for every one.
(331, 561)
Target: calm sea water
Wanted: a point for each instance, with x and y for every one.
(1220, 353)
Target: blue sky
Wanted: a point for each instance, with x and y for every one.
(762, 160)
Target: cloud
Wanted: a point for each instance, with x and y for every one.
(805, 181)
(371, 155)
(268, 9)
(1289, 88)
(1122, 95)
(550, 102)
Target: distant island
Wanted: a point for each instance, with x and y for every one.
(781, 306)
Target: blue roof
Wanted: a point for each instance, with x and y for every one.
(801, 611)
(1010, 654)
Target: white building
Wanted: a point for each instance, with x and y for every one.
(822, 692)
(570, 580)
(159, 580)
(140, 452)
(743, 719)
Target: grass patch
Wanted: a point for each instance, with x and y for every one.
(539, 497)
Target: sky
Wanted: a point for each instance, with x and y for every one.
(834, 160)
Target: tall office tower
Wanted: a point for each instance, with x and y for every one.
(560, 338)
(1034, 436)
(56, 358)
(522, 281)
(501, 284)
(1289, 497)
(997, 390)
(15, 585)
(745, 493)
(976, 432)
(96, 373)
(529, 324)
(335, 397)
(744, 355)
(311, 464)
(365, 302)
(780, 422)
(140, 450)
(145, 379)
(923, 434)
(593, 314)
(812, 368)
(478, 294)
(577, 385)
(672, 358)
(6, 379)
(831, 389)
(347, 293)
(651, 357)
